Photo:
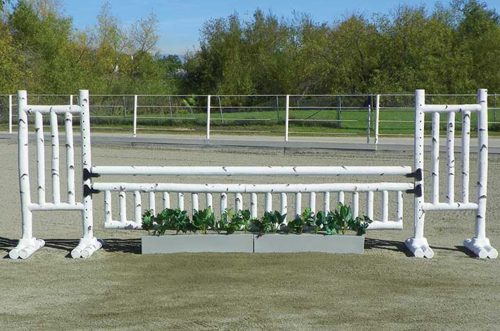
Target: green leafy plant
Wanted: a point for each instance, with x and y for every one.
(225, 222)
(274, 220)
(172, 219)
(321, 221)
(180, 221)
(148, 220)
(341, 220)
(332, 222)
(360, 224)
(203, 220)
(298, 224)
(231, 221)
(262, 225)
(243, 217)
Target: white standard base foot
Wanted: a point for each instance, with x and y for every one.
(26, 247)
(481, 247)
(419, 247)
(86, 247)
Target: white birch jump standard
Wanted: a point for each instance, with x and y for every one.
(480, 244)
(390, 194)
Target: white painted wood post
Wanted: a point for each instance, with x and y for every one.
(312, 201)
(166, 200)
(284, 205)
(482, 176)
(355, 204)
(419, 163)
(180, 202)
(223, 202)
(298, 204)
(480, 244)
(40, 157)
(385, 206)
(208, 116)
(238, 201)
(24, 178)
(341, 197)
(209, 199)
(450, 146)
(253, 205)
(135, 116)
(88, 244)
(152, 202)
(195, 205)
(287, 114)
(418, 244)
(70, 157)
(369, 205)
(326, 202)
(56, 186)
(435, 157)
(377, 118)
(108, 212)
(10, 113)
(122, 207)
(70, 154)
(399, 207)
(137, 207)
(27, 245)
(268, 203)
(465, 155)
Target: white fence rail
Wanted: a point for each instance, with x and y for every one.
(373, 114)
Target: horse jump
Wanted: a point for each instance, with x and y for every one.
(388, 218)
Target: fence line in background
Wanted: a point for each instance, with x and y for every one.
(335, 102)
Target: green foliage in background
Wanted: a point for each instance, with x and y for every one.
(452, 48)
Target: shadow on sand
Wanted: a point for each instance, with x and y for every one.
(110, 245)
(133, 246)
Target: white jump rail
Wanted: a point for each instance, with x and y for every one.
(247, 194)
(239, 190)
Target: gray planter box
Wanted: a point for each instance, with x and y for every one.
(198, 243)
(294, 243)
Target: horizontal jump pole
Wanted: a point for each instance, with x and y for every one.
(387, 225)
(251, 171)
(449, 206)
(55, 109)
(52, 206)
(251, 188)
(450, 108)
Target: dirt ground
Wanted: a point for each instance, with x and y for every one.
(118, 288)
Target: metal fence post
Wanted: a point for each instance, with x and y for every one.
(208, 117)
(368, 124)
(339, 112)
(377, 118)
(135, 116)
(10, 113)
(287, 113)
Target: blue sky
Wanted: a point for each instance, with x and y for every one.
(180, 21)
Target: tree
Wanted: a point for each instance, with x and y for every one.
(43, 37)
(11, 63)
